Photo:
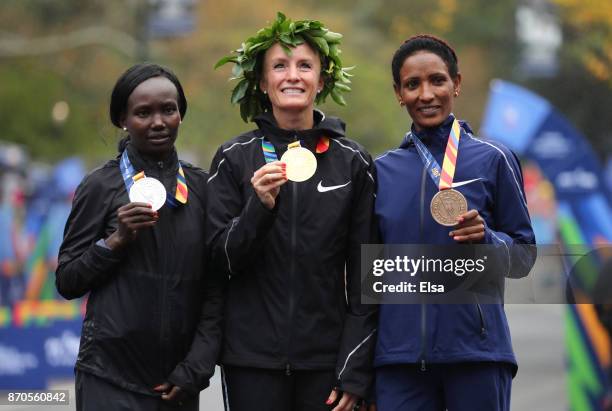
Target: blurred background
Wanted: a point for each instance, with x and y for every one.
(537, 75)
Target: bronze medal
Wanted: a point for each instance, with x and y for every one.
(446, 206)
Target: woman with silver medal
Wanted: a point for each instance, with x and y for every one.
(296, 335)
(133, 241)
(442, 187)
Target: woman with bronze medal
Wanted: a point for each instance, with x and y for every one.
(444, 186)
(288, 232)
(133, 239)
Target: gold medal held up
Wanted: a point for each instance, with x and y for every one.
(446, 206)
(301, 163)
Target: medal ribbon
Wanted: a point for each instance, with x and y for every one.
(270, 153)
(130, 176)
(443, 178)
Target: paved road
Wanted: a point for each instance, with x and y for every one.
(537, 334)
(537, 337)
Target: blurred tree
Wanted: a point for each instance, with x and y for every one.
(64, 50)
(581, 89)
(481, 31)
(372, 30)
(589, 26)
(82, 71)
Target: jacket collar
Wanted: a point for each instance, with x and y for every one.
(435, 136)
(323, 126)
(167, 166)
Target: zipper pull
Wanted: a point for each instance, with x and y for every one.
(160, 164)
(423, 367)
(288, 370)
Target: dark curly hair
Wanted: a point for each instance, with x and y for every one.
(426, 42)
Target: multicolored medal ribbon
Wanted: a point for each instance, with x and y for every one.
(301, 163)
(447, 204)
(149, 190)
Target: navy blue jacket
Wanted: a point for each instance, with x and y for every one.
(490, 178)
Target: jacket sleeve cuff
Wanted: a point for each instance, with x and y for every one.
(180, 378)
(496, 237)
(256, 212)
(102, 258)
(359, 391)
(102, 243)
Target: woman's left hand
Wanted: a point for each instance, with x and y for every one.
(470, 228)
(169, 392)
(347, 400)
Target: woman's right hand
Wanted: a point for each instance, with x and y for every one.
(267, 181)
(131, 218)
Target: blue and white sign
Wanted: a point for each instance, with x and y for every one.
(29, 356)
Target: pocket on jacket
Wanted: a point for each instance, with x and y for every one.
(458, 330)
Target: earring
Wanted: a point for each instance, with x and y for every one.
(401, 103)
(124, 128)
(456, 93)
(318, 91)
(265, 92)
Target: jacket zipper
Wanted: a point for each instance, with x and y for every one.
(423, 336)
(294, 205)
(162, 263)
(423, 305)
(483, 324)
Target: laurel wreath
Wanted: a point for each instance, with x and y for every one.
(289, 34)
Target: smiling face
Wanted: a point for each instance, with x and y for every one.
(152, 117)
(426, 89)
(291, 82)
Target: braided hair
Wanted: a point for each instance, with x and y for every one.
(427, 42)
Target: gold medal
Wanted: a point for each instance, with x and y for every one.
(148, 190)
(301, 163)
(446, 206)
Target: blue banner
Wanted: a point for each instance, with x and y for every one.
(30, 356)
(531, 127)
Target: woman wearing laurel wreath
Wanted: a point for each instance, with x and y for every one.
(151, 332)
(296, 336)
(444, 186)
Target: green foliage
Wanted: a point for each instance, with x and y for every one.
(289, 34)
(481, 31)
(30, 122)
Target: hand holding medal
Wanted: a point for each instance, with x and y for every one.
(147, 195)
(470, 228)
(267, 180)
(449, 207)
(297, 164)
(131, 218)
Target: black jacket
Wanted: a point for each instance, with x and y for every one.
(152, 315)
(290, 304)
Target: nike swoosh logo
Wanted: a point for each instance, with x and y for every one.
(462, 183)
(322, 189)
